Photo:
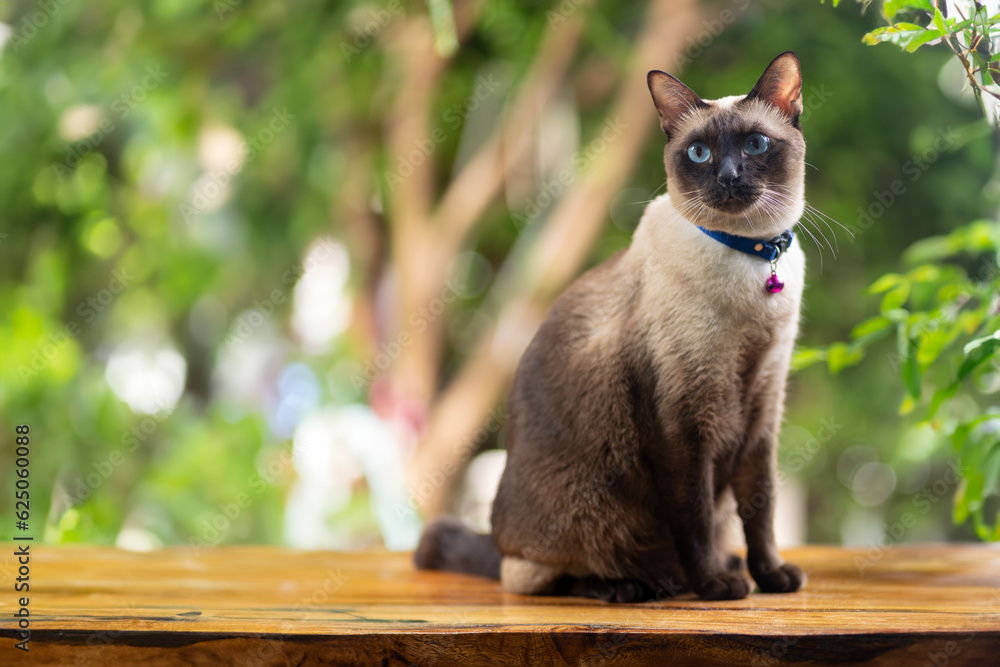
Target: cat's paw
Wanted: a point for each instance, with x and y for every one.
(785, 578)
(734, 562)
(726, 586)
(608, 590)
(629, 590)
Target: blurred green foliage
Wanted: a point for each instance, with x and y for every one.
(945, 311)
(77, 210)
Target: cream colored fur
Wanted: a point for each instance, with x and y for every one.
(525, 577)
(717, 300)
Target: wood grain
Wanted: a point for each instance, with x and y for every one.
(929, 605)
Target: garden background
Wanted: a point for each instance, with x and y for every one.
(266, 267)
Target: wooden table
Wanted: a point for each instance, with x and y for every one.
(932, 605)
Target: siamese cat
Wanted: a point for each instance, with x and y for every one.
(644, 415)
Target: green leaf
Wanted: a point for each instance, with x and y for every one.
(974, 238)
(871, 326)
(987, 534)
(804, 357)
(924, 273)
(893, 7)
(939, 21)
(897, 316)
(973, 345)
(911, 372)
(940, 396)
(957, 27)
(962, 431)
(968, 322)
(886, 282)
(904, 34)
(905, 27)
(968, 495)
(991, 467)
(841, 355)
(920, 40)
(895, 297)
(930, 249)
(961, 511)
(875, 36)
(932, 343)
(976, 352)
(951, 292)
(906, 348)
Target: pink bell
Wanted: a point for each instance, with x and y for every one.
(774, 285)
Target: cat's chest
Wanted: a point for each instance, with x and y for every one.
(698, 282)
(714, 295)
(739, 290)
(712, 325)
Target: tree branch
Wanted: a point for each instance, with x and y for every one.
(482, 178)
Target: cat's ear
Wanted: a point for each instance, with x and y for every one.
(781, 85)
(672, 99)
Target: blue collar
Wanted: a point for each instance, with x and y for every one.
(769, 250)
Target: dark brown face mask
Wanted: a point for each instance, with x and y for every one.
(733, 165)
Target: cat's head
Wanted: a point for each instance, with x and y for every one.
(736, 164)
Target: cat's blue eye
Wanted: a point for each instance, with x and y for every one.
(699, 152)
(756, 144)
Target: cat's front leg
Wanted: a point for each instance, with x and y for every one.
(692, 522)
(755, 496)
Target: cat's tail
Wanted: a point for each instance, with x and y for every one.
(449, 545)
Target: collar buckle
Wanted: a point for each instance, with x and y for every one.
(781, 243)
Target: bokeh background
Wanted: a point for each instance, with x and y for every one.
(266, 267)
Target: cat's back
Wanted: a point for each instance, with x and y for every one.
(581, 334)
(569, 385)
(569, 426)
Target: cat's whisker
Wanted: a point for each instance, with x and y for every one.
(769, 209)
(767, 206)
(816, 243)
(808, 220)
(816, 220)
(827, 217)
(809, 227)
(686, 207)
(702, 208)
(809, 215)
(657, 190)
(696, 191)
(818, 216)
(812, 208)
(693, 205)
(776, 200)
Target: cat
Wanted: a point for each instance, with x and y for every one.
(644, 415)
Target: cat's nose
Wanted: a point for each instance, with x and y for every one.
(728, 175)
